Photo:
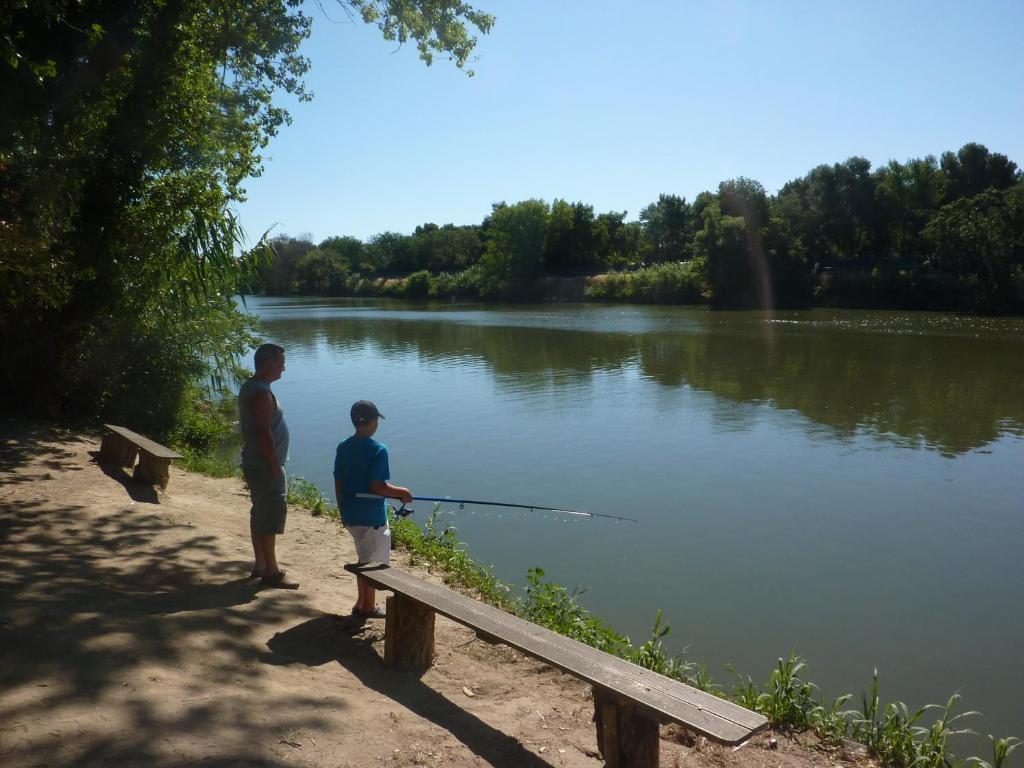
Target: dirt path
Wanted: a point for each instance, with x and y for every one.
(130, 635)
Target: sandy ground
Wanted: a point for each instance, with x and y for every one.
(131, 635)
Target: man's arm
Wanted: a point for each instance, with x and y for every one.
(337, 493)
(261, 406)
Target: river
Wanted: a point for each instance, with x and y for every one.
(848, 484)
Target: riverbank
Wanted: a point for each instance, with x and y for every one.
(131, 636)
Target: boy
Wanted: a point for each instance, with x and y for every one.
(361, 466)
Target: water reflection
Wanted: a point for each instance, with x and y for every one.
(937, 382)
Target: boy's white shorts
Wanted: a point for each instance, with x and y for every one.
(373, 545)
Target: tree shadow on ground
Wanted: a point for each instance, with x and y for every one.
(23, 443)
(88, 601)
(327, 639)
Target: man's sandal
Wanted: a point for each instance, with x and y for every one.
(278, 581)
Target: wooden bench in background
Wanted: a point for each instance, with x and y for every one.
(629, 701)
(124, 446)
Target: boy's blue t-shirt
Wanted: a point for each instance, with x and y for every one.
(358, 461)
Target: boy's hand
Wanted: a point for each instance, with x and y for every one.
(405, 496)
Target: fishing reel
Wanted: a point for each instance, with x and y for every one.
(402, 511)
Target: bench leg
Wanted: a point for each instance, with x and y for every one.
(116, 448)
(152, 470)
(626, 737)
(408, 634)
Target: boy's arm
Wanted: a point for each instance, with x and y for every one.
(384, 488)
(337, 493)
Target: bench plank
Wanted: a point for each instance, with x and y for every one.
(665, 699)
(144, 443)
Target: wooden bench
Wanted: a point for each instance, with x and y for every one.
(124, 446)
(629, 701)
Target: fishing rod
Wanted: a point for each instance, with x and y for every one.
(404, 511)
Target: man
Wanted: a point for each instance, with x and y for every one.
(264, 454)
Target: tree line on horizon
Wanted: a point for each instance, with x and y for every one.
(943, 233)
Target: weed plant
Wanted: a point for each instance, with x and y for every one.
(1001, 750)
(551, 605)
(302, 493)
(440, 548)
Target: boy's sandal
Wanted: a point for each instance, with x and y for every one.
(279, 581)
(376, 613)
(254, 574)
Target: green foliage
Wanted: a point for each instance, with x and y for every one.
(916, 235)
(551, 605)
(982, 236)
(204, 428)
(737, 274)
(653, 656)
(417, 285)
(438, 27)
(894, 735)
(831, 723)
(1001, 750)
(668, 226)
(128, 134)
(788, 700)
(513, 253)
(670, 283)
(302, 493)
(441, 549)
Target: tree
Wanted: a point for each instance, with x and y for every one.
(321, 273)
(570, 241)
(278, 277)
(745, 198)
(512, 257)
(722, 244)
(127, 132)
(973, 170)
(909, 195)
(391, 252)
(983, 237)
(666, 226)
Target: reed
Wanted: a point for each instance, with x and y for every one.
(1001, 750)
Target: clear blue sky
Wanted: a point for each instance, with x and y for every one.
(613, 103)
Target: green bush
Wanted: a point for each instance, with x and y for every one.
(670, 283)
(417, 285)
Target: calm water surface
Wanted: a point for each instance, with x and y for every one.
(846, 484)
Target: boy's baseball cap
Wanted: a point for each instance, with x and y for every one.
(364, 411)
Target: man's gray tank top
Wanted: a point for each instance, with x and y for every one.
(278, 429)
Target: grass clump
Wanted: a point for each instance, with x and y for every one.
(302, 493)
(551, 605)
